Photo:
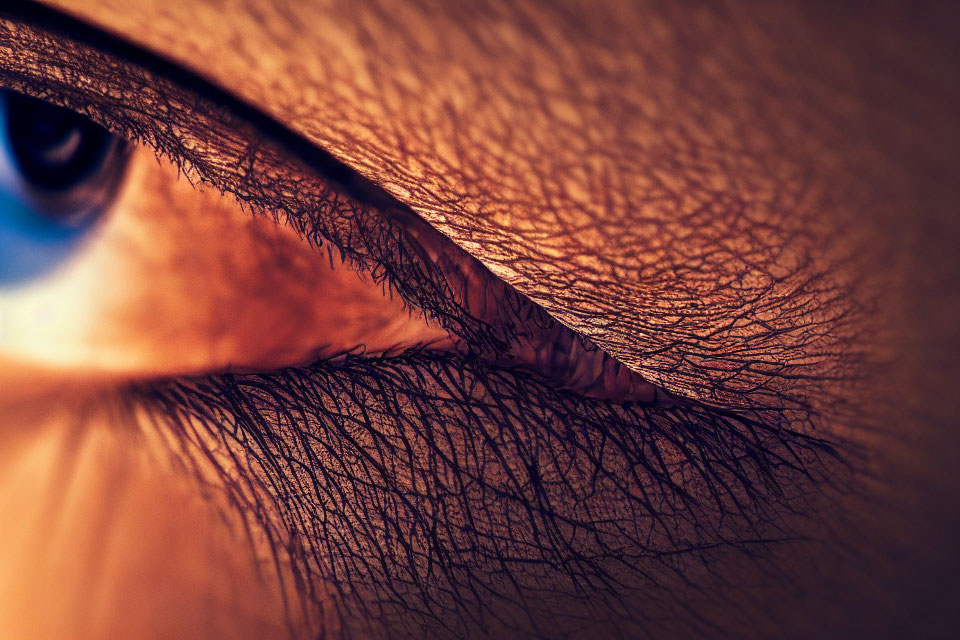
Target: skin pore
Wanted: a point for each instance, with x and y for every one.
(748, 206)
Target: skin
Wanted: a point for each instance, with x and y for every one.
(750, 207)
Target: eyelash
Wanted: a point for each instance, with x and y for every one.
(360, 458)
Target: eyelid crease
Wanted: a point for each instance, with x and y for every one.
(216, 139)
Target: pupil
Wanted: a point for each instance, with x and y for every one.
(54, 149)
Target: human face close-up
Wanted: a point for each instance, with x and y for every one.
(478, 320)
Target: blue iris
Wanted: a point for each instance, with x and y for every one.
(56, 170)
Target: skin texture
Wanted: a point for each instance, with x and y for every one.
(751, 207)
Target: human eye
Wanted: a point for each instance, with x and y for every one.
(83, 207)
(492, 460)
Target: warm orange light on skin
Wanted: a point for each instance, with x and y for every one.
(102, 535)
(179, 280)
(103, 538)
(765, 125)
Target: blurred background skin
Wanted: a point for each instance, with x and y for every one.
(837, 123)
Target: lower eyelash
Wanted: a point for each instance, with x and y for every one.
(410, 482)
